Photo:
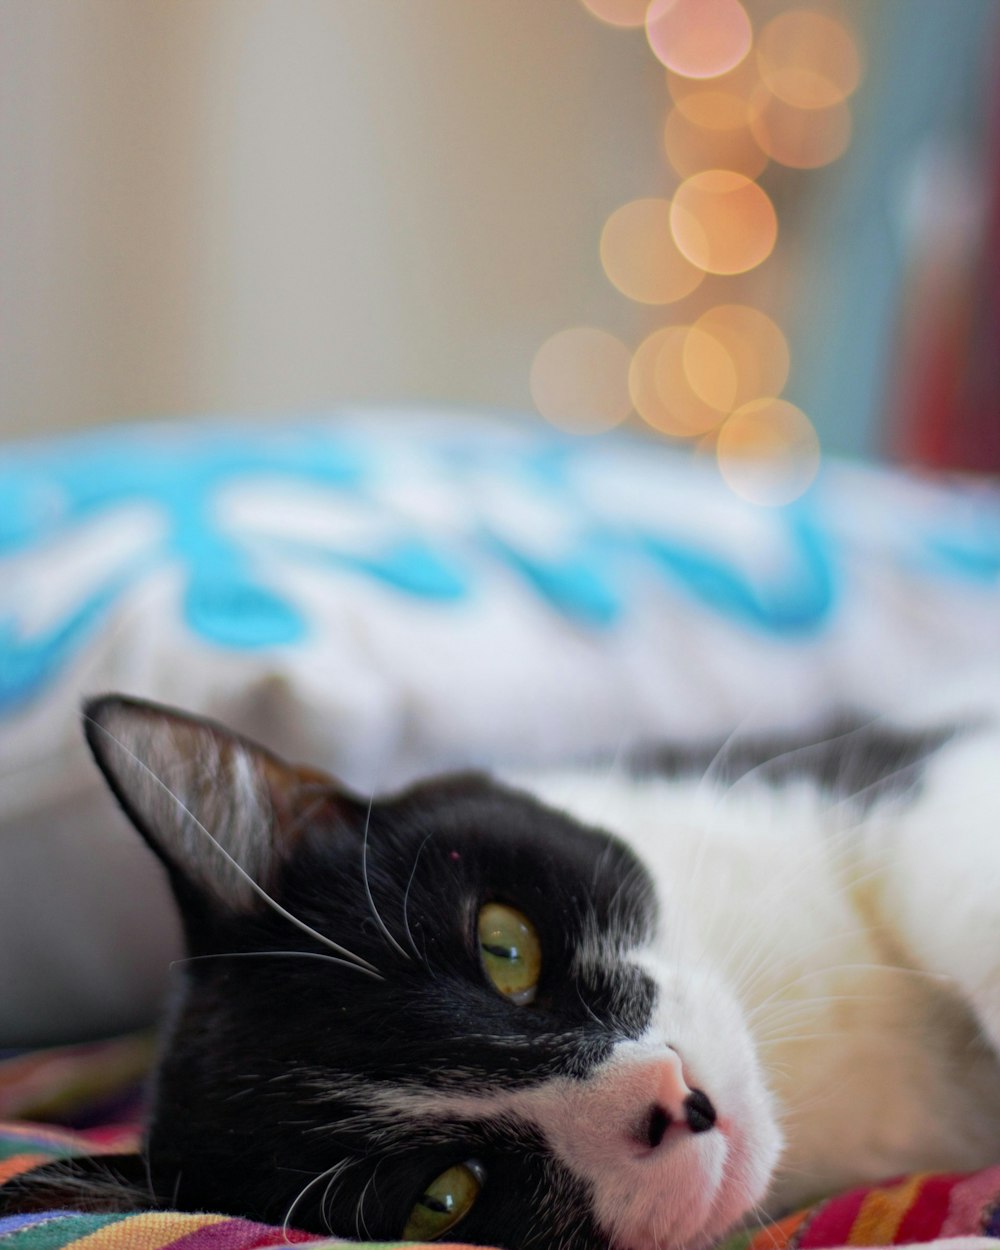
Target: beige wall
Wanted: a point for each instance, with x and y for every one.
(260, 205)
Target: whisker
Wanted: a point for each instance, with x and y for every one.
(316, 1180)
(361, 964)
(328, 959)
(940, 977)
(368, 889)
(359, 1215)
(406, 895)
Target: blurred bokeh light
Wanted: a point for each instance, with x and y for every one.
(619, 12)
(660, 389)
(723, 222)
(740, 107)
(698, 38)
(755, 347)
(244, 207)
(579, 380)
(736, 85)
(808, 59)
(768, 452)
(691, 145)
(797, 137)
(640, 255)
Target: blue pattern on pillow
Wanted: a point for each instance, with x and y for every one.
(583, 559)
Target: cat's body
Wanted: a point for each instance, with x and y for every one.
(788, 891)
(740, 980)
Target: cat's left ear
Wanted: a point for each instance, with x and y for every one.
(220, 811)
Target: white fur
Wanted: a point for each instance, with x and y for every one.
(820, 967)
(827, 973)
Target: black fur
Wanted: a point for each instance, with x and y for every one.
(263, 1100)
(850, 756)
(266, 1101)
(250, 1104)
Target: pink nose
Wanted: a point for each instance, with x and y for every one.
(658, 1088)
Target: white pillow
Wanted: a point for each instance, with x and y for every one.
(384, 593)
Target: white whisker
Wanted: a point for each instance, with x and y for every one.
(362, 964)
(406, 894)
(330, 1173)
(368, 889)
(327, 959)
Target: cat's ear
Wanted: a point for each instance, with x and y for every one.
(220, 811)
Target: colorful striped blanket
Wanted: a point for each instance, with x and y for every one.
(87, 1099)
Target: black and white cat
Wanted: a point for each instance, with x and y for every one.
(571, 1011)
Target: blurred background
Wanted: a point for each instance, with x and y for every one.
(242, 206)
(765, 231)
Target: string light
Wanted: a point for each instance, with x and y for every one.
(698, 38)
(755, 346)
(660, 390)
(768, 452)
(797, 137)
(710, 370)
(737, 85)
(579, 380)
(723, 222)
(642, 259)
(740, 106)
(618, 12)
(690, 145)
(807, 59)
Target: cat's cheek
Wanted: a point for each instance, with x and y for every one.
(755, 1144)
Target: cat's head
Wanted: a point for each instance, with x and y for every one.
(437, 1014)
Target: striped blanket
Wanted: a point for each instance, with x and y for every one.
(86, 1100)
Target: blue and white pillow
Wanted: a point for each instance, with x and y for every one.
(381, 593)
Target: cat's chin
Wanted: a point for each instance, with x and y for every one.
(695, 1196)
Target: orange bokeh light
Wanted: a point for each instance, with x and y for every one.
(710, 108)
(808, 59)
(579, 380)
(723, 222)
(710, 370)
(618, 12)
(698, 38)
(691, 148)
(800, 138)
(768, 452)
(660, 390)
(740, 82)
(640, 256)
(757, 351)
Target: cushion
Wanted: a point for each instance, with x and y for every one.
(383, 593)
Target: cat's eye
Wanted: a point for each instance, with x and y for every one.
(511, 951)
(445, 1201)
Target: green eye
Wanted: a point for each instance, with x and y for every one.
(512, 953)
(445, 1200)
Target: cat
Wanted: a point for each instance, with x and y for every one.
(578, 1010)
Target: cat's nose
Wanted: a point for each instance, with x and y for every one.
(699, 1111)
(699, 1116)
(671, 1101)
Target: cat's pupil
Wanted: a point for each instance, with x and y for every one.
(503, 952)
